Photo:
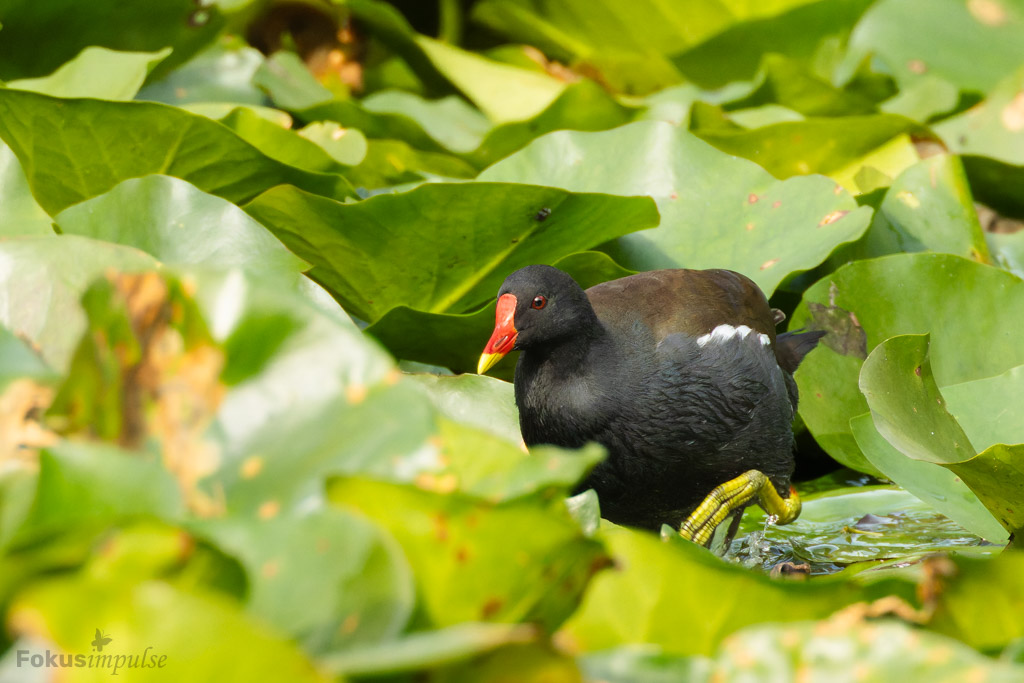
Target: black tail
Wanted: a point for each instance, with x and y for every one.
(791, 347)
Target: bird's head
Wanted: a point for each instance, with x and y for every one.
(536, 305)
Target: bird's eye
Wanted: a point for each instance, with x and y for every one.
(539, 302)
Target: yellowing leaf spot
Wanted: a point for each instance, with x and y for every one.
(251, 467)
(270, 569)
(752, 198)
(988, 12)
(917, 66)
(355, 393)
(908, 198)
(768, 264)
(269, 509)
(803, 166)
(394, 374)
(1012, 115)
(674, 195)
(777, 204)
(350, 624)
(749, 226)
(832, 218)
(837, 190)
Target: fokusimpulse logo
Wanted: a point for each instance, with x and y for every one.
(97, 659)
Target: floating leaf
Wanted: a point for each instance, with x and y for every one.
(751, 226)
(96, 72)
(179, 224)
(62, 147)
(902, 294)
(449, 246)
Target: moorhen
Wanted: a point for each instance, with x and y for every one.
(677, 373)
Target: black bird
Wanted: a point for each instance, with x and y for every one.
(678, 373)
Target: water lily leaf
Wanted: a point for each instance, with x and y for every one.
(220, 73)
(451, 121)
(87, 486)
(475, 400)
(156, 619)
(831, 649)
(42, 36)
(641, 601)
(1007, 250)
(909, 411)
(741, 230)
(972, 405)
(923, 99)
(791, 83)
(901, 294)
(503, 93)
(426, 649)
(62, 146)
(179, 224)
(836, 147)
(280, 143)
(475, 561)
(96, 72)
(984, 28)
(449, 245)
(937, 486)
(331, 580)
(807, 31)
(42, 280)
(928, 207)
(994, 128)
(20, 214)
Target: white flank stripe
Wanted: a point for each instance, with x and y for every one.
(724, 332)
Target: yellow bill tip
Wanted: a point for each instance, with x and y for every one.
(487, 361)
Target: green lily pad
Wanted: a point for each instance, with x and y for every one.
(280, 143)
(751, 226)
(475, 400)
(448, 246)
(649, 598)
(994, 128)
(20, 214)
(909, 411)
(987, 31)
(927, 208)
(807, 31)
(833, 649)
(829, 146)
(331, 580)
(62, 146)
(170, 627)
(866, 302)
(42, 36)
(1007, 250)
(450, 120)
(426, 649)
(179, 224)
(221, 73)
(971, 403)
(96, 72)
(792, 84)
(41, 287)
(475, 561)
(937, 486)
(84, 486)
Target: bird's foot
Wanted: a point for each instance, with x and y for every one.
(733, 495)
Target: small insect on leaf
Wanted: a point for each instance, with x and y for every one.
(542, 215)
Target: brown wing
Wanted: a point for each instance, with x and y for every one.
(693, 302)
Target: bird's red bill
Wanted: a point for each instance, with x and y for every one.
(504, 336)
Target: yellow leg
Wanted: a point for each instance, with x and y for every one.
(733, 495)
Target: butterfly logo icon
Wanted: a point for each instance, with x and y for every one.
(100, 641)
